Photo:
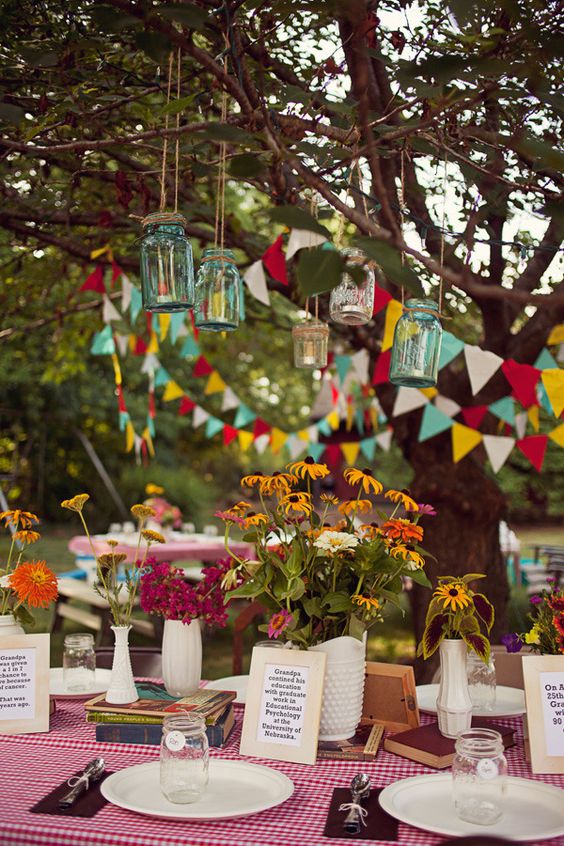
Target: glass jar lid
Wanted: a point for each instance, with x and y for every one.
(479, 743)
(188, 724)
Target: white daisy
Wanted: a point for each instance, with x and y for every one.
(332, 543)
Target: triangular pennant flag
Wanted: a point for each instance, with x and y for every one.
(153, 345)
(481, 366)
(202, 367)
(94, 254)
(229, 434)
(186, 405)
(521, 423)
(523, 379)
(447, 406)
(152, 319)
(560, 353)
(333, 419)
(359, 418)
(95, 282)
(277, 439)
(498, 450)
(350, 451)
(384, 440)
(433, 422)
(323, 427)
(213, 426)
(261, 443)
(243, 416)
(103, 342)
(162, 377)
(261, 427)
(151, 364)
(408, 399)
(451, 346)
(474, 414)
(176, 323)
(138, 445)
(116, 271)
(230, 400)
(553, 381)
(136, 303)
(300, 238)
(200, 416)
(464, 439)
(190, 347)
(543, 398)
(342, 363)
(215, 384)
(545, 361)
(430, 393)
(394, 311)
(313, 433)
(164, 325)
(121, 401)
(295, 447)
(123, 418)
(556, 335)
(534, 447)
(504, 408)
(274, 261)
(172, 391)
(360, 362)
(245, 439)
(316, 451)
(381, 373)
(121, 341)
(129, 436)
(381, 299)
(533, 417)
(255, 280)
(109, 311)
(151, 426)
(117, 369)
(332, 454)
(368, 448)
(557, 435)
(140, 347)
(126, 287)
(149, 441)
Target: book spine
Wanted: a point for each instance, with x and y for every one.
(152, 734)
(110, 717)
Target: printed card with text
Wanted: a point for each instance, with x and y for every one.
(544, 694)
(24, 684)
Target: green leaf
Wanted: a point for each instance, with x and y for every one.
(227, 132)
(478, 644)
(420, 577)
(191, 16)
(389, 260)
(246, 166)
(484, 610)
(10, 113)
(110, 19)
(433, 634)
(319, 270)
(296, 218)
(336, 602)
(156, 45)
(177, 106)
(312, 606)
(469, 577)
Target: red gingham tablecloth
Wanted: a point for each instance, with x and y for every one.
(32, 765)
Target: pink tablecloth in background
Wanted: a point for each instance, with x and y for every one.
(211, 549)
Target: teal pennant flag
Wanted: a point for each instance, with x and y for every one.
(176, 323)
(316, 451)
(450, 348)
(543, 398)
(342, 363)
(162, 377)
(103, 342)
(368, 448)
(504, 408)
(545, 361)
(190, 347)
(123, 420)
(213, 426)
(324, 427)
(135, 304)
(243, 417)
(155, 322)
(151, 426)
(433, 422)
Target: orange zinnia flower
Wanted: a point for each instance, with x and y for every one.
(403, 530)
(33, 582)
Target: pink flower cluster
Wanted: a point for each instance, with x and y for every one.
(165, 591)
(166, 514)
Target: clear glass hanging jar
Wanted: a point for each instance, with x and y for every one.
(167, 266)
(311, 340)
(417, 346)
(481, 682)
(351, 301)
(218, 285)
(184, 758)
(479, 772)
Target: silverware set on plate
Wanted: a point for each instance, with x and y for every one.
(355, 819)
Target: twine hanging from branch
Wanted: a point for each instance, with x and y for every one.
(219, 228)
(163, 199)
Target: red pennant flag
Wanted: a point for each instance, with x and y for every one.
(202, 367)
(116, 272)
(140, 347)
(381, 300)
(275, 261)
(144, 451)
(473, 415)
(95, 281)
(152, 412)
(261, 427)
(330, 360)
(149, 322)
(533, 447)
(186, 405)
(382, 368)
(332, 455)
(334, 394)
(523, 379)
(121, 401)
(194, 329)
(229, 434)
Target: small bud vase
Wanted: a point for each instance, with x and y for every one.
(182, 657)
(454, 706)
(122, 688)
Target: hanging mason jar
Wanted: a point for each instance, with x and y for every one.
(310, 344)
(167, 267)
(218, 284)
(352, 301)
(417, 346)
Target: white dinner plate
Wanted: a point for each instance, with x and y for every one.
(532, 810)
(235, 789)
(236, 683)
(58, 690)
(509, 702)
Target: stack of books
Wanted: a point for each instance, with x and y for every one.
(142, 721)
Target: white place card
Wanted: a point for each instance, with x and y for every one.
(24, 684)
(544, 693)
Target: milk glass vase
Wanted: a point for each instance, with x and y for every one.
(416, 347)
(218, 285)
(352, 300)
(167, 267)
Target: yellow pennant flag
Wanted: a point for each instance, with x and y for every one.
(153, 346)
(303, 435)
(100, 252)
(132, 342)
(172, 391)
(464, 439)
(215, 384)
(117, 369)
(350, 417)
(149, 441)
(245, 439)
(394, 311)
(277, 439)
(129, 436)
(333, 419)
(350, 451)
(533, 415)
(164, 323)
(557, 435)
(553, 381)
(556, 336)
(429, 392)
(373, 417)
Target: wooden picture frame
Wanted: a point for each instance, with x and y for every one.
(24, 683)
(389, 696)
(544, 696)
(283, 705)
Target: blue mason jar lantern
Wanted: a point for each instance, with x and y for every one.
(167, 267)
(217, 304)
(416, 347)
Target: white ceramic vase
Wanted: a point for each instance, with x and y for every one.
(343, 690)
(454, 706)
(8, 626)
(122, 688)
(182, 657)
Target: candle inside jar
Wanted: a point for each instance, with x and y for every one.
(308, 353)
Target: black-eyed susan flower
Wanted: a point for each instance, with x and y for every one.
(253, 519)
(76, 503)
(252, 479)
(26, 536)
(240, 507)
(371, 531)
(414, 559)
(364, 478)
(280, 483)
(308, 467)
(400, 496)
(329, 499)
(19, 519)
(368, 602)
(399, 551)
(453, 595)
(353, 506)
(298, 501)
(402, 530)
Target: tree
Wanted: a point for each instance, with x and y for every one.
(416, 99)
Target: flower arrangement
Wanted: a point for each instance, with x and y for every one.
(165, 514)
(456, 611)
(165, 591)
(119, 595)
(546, 635)
(321, 580)
(24, 584)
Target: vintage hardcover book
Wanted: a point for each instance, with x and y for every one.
(204, 702)
(151, 733)
(111, 717)
(426, 744)
(363, 746)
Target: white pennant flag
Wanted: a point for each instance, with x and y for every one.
(313, 433)
(360, 362)
(122, 343)
(295, 446)
(151, 363)
(200, 416)
(255, 281)
(498, 449)
(446, 405)
(137, 441)
(126, 287)
(109, 311)
(300, 238)
(481, 366)
(230, 400)
(521, 424)
(384, 439)
(408, 399)
(182, 331)
(261, 443)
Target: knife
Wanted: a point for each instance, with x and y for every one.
(80, 784)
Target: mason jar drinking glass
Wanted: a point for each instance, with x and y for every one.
(167, 267)
(416, 347)
(184, 758)
(79, 663)
(217, 292)
(352, 300)
(481, 682)
(479, 773)
(310, 344)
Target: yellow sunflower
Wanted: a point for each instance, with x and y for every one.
(367, 602)
(454, 594)
(364, 478)
(253, 519)
(400, 496)
(330, 499)
(280, 483)
(309, 467)
(76, 503)
(18, 518)
(252, 479)
(351, 506)
(300, 502)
